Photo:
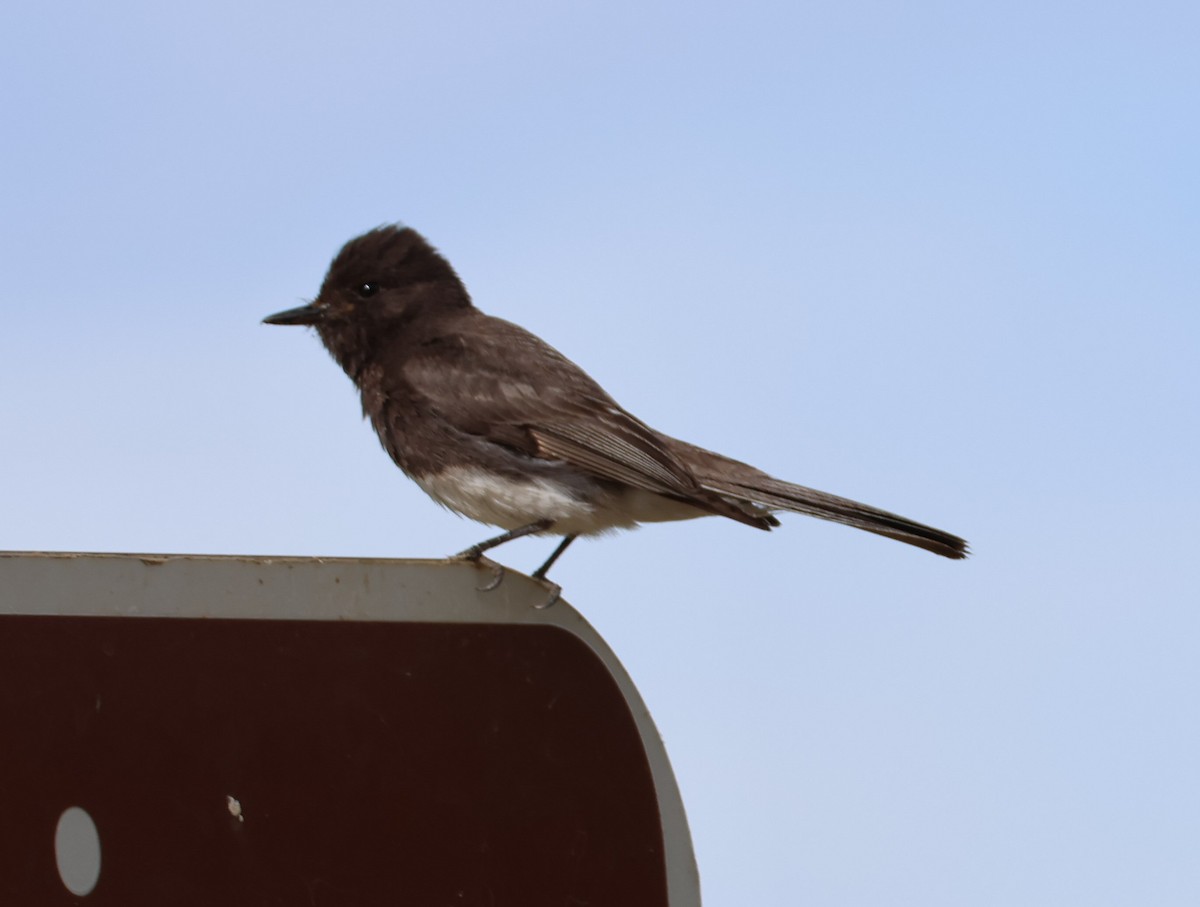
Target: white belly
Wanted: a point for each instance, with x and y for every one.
(511, 503)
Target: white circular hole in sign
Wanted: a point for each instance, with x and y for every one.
(77, 851)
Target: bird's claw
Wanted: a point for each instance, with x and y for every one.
(497, 577)
(555, 591)
(476, 557)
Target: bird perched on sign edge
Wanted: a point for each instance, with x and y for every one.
(497, 425)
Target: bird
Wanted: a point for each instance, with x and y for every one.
(496, 425)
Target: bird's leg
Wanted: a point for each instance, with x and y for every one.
(540, 573)
(475, 552)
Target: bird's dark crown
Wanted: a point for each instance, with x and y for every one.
(386, 266)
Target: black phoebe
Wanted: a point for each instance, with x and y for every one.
(496, 425)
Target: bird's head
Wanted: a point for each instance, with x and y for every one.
(378, 283)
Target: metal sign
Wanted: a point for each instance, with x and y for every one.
(209, 730)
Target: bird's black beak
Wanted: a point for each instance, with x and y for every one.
(306, 314)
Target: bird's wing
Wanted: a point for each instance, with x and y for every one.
(496, 381)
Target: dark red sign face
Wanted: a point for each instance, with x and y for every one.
(228, 762)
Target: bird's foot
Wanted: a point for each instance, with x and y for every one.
(475, 556)
(555, 591)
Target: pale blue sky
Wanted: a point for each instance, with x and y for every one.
(938, 257)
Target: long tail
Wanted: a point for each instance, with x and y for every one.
(744, 483)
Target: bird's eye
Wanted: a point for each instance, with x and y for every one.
(366, 290)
